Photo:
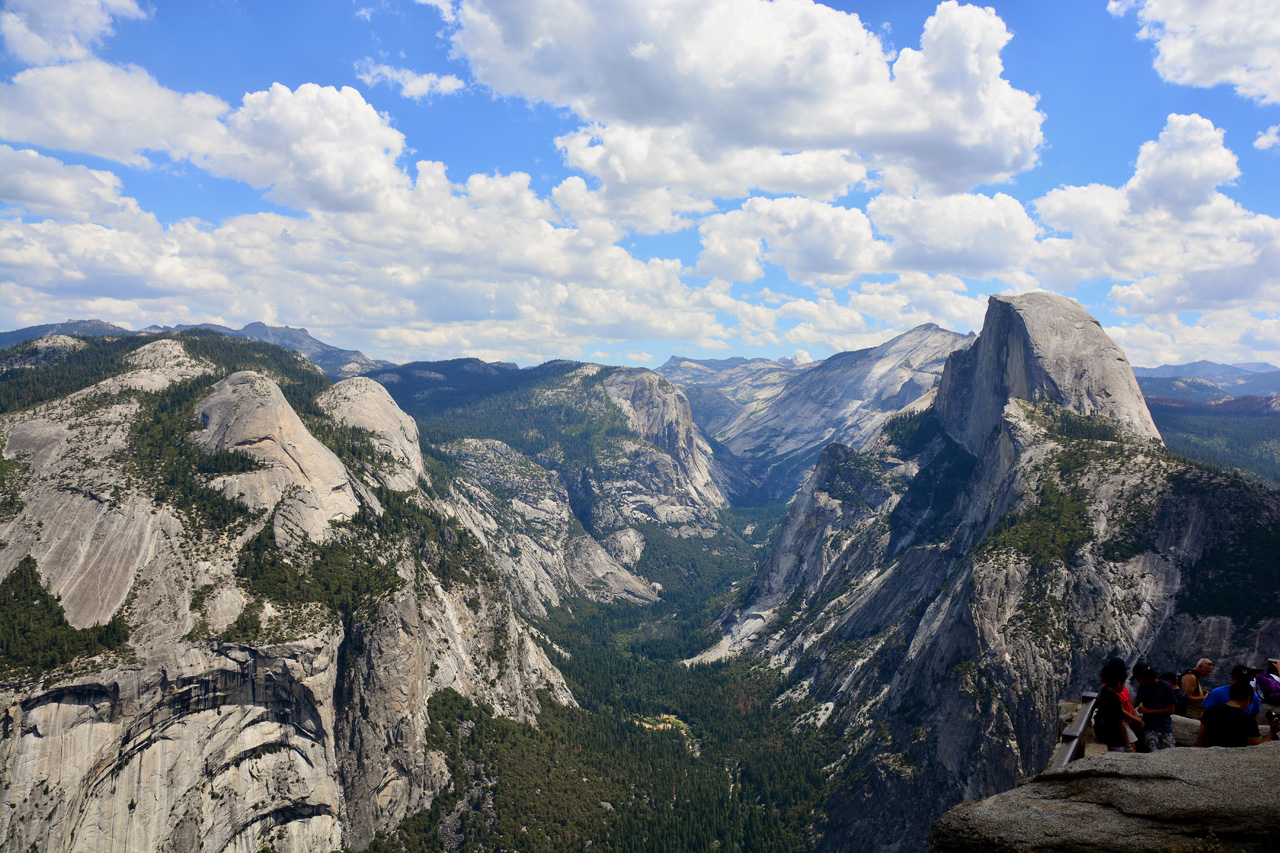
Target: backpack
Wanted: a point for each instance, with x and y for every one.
(1268, 688)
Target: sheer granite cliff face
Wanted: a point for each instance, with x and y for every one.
(1038, 346)
(944, 588)
(306, 740)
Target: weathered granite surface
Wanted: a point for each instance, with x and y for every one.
(1038, 346)
(301, 477)
(364, 404)
(309, 740)
(775, 418)
(1119, 803)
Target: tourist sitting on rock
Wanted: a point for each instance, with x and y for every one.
(1179, 695)
(1192, 683)
(1219, 695)
(1231, 724)
(1268, 685)
(1156, 704)
(1109, 716)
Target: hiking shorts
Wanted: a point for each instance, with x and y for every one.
(1158, 740)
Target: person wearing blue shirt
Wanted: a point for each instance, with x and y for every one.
(1222, 695)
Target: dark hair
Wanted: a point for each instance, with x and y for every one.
(1171, 677)
(1240, 691)
(1112, 675)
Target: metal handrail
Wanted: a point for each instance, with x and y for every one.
(1072, 746)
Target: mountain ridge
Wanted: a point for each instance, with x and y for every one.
(337, 363)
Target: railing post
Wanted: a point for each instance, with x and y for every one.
(1072, 745)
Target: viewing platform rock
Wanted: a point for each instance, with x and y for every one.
(1186, 799)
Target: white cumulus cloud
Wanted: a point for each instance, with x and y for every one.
(315, 146)
(1172, 240)
(815, 242)
(689, 100)
(965, 233)
(41, 31)
(1211, 42)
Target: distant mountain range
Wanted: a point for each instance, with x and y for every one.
(1205, 370)
(775, 417)
(1203, 381)
(335, 362)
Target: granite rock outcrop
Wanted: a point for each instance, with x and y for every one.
(301, 478)
(773, 419)
(1168, 800)
(364, 404)
(304, 737)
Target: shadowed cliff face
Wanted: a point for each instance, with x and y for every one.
(944, 588)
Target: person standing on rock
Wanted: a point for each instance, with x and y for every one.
(1196, 692)
(1230, 724)
(1156, 705)
(1110, 719)
(1126, 702)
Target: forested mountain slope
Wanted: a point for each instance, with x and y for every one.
(337, 363)
(236, 587)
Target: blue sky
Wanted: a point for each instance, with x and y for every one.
(626, 180)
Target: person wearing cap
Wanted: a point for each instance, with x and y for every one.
(1230, 724)
(1222, 695)
(1192, 683)
(1156, 705)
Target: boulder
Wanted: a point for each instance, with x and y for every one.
(1125, 803)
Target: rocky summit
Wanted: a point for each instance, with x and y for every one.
(466, 605)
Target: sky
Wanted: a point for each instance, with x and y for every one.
(626, 180)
